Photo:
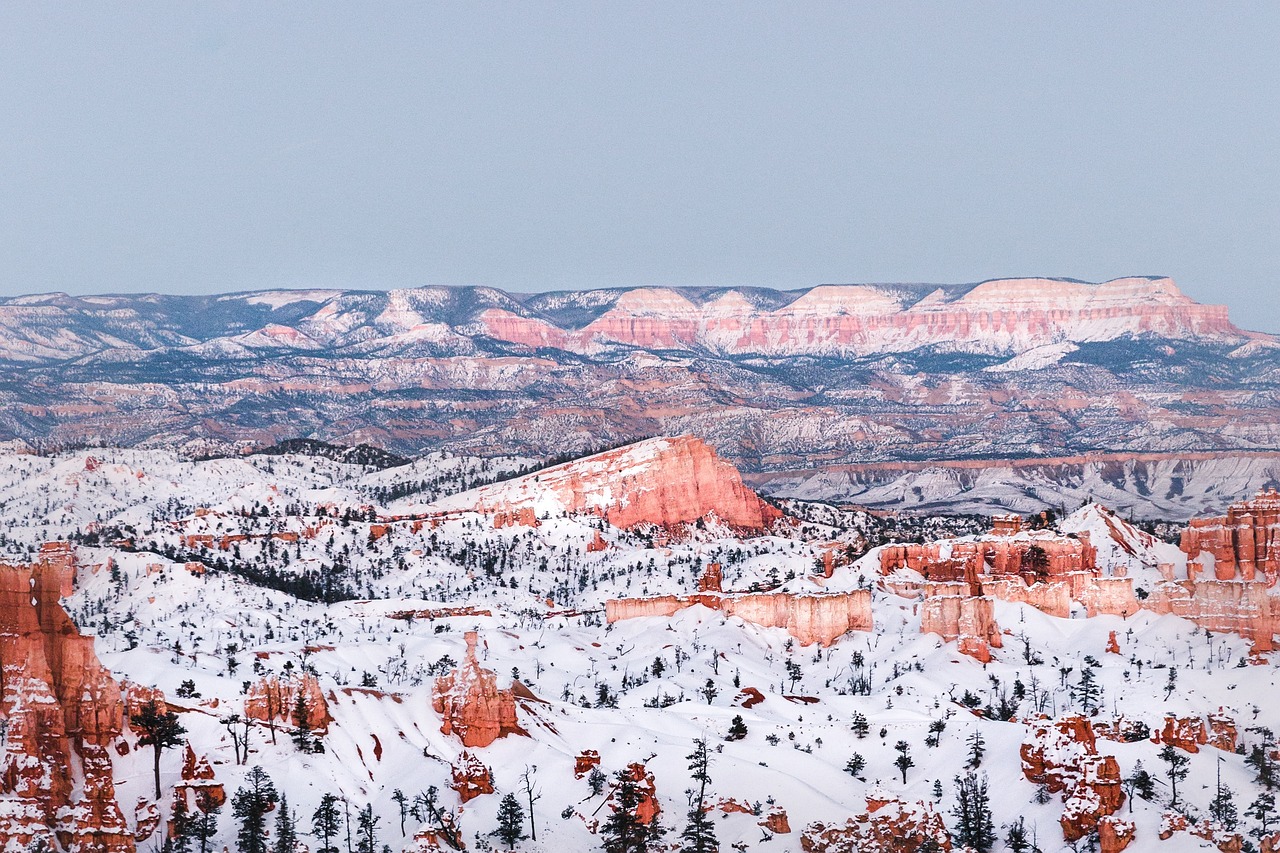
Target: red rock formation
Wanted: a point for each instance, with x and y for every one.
(711, 579)
(1186, 733)
(597, 544)
(199, 786)
(472, 705)
(1111, 596)
(1115, 834)
(1063, 756)
(1006, 525)
(1113, 645)
(63, 710)
(1038, 557)
(583, 764)
(471, 778)
(272, 700)
(889, 825)
(949, 611)
(819, 618)
(1232, 606)
(1222, 732)
(440, 613)
(1226, 841)
(776, 821)
(664, 481)
(1244, 544)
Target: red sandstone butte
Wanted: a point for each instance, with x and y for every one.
(472, 705)
(820, 618)
(664, 481)
(1244, 544)
(273, 700)
(64, 709)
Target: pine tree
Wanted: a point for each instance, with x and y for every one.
(286, 828)
(1260, 760)
(596, 781)
(1262, 809)
(974, 826)
(860, 726)
(402, 802)
(326, 820)
(855, 765)
(303, 739)
(182, 822)
(699, 833)
(903, 761)
(977, 747)
(510, 821)
(1223, 806)
(1087, 692)
(737, 728)
(250, 806)
(204, 826)
(1017, 839)
(159, 731)
(623, 831)
(1177, 770)
(1140, 783)
(366, 834)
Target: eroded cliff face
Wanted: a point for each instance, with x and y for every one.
(474, 708)
(889, 825)
(1244, 544)
(1034, 558)
(62, 709)
(1233, 606)
(820, 618)
(949, 611)
(1063, 756)
(273, 700)
(668, 482)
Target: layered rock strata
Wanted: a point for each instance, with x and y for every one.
(1244, 544)
(63, 710)
(949, 611)
(820, 618)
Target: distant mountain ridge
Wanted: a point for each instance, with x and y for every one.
(775, 380)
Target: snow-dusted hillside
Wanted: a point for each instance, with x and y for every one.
(218, 573)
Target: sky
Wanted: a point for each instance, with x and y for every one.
(205, 147)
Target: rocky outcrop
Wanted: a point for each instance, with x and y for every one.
(199, 786)
(668, 482)
(273, 700)
(1063, 756)
(63, 711)
(1230, 606)
(820, 618)
(1115, 834)
(1244, 544)
(1191, 733)
(470, 777)
(472, 705)
(950, 612)
(1034, 557)
(648, 809)
(889, 825)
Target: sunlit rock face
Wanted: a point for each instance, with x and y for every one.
(1244, 544)
(474, 708)
(63, 710)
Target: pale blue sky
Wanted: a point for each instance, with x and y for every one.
(531, 146)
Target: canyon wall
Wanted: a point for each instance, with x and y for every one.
(1244, 544)
(820, 618)
(949, 611)
(63, 709)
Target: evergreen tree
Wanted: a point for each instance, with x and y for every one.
(1017, 839)
(596, 781)
(1223, 806)
(974, 826)
(1262, 809)
(1088, 693)
(737, 728)
(250, 806)
(1260, 760)
(1140, 783)
(623, 831)
(182, 822)
(855, 765)
(303, 739)
(159, 731)
(286, 828)
(903, 761)
(204, 825)
(402, 802)
(860, 726)
(1177, 770)
(699, 833)
(326, 820)
(366, 833)
(510, 821)
(977, 747)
